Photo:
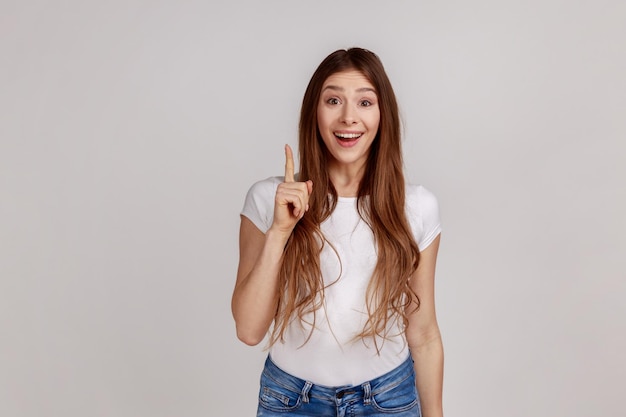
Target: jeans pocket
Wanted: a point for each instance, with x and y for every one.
(277, 398)
(397, 398)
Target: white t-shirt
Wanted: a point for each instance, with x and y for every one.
(332, 356)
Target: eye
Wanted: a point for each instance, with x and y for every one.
(366, 103)
(332, 100)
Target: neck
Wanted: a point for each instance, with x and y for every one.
(346, 179)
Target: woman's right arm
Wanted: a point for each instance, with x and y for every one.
(255, 298)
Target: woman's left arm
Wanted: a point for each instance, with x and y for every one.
(423, 335)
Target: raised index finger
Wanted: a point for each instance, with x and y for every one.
(289, 169)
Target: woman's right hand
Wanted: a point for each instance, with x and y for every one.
(292, 198)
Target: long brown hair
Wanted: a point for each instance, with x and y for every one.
(380, 202)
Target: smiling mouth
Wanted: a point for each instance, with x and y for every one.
(348, 136)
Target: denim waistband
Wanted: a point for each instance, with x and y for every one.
(364, 390)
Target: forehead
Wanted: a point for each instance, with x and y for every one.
(350, 79)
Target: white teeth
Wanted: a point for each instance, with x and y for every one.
(348, 135)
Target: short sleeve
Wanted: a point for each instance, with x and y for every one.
(259, 203)
(423, 214)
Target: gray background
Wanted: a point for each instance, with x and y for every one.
(131, 130)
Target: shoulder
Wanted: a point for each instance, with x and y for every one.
(259, 203)
(422, 210)
(265, 187)
(420, 198)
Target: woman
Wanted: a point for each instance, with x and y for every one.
(339, 261)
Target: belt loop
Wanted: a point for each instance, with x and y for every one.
(305, 391)
(367, 393)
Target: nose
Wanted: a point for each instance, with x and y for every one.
(348, 115)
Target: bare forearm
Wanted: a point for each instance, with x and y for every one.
(428, 364)
(255, 297)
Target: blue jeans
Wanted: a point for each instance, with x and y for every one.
(392, 394)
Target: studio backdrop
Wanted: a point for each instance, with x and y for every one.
(131, 130)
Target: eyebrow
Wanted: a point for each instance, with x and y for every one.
(358, 90)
